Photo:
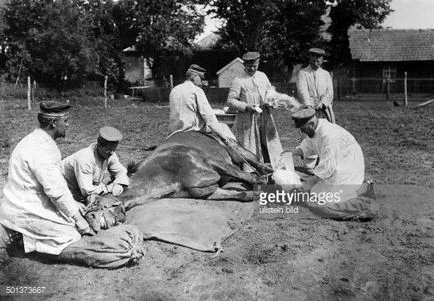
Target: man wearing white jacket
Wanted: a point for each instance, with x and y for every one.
(85, 171)
(37, 202)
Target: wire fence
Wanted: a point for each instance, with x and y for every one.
(344, 87)
(353, 86)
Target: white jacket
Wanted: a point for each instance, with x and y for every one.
(37, 202)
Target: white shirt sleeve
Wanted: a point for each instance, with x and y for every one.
(234, 101)
(327, 164)
(327, 98)
(302, 88)
(48, 171)
(117, 170)
(205, 110)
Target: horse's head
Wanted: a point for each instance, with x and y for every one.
(104, 212)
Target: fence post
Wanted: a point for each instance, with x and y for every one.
(353, 79)
(171, 81)
(105, 91)
(34, 90)
(29, 93)
(387, 88)
(405, 89)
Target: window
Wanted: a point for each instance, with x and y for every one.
(389, 72)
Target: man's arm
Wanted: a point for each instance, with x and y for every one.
(205, 110)
(327, 98)
(48, 171)
(119, 173)
(327, 163)
(234, 102)
(302, 89)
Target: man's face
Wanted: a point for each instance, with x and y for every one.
(105, 150)
(315, 61)
(61, 124)
(197, 80)
(251, 67)
(308, 128)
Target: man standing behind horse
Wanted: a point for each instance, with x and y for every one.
(254, 128)
(315, 86)
(191, 111)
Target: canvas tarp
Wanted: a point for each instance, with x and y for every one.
(198, 224)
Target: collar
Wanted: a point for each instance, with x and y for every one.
(320, 126)
(44, 134)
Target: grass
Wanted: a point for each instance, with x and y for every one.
(397, 142)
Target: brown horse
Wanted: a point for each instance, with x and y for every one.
(192, 165)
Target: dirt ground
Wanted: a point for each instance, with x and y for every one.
(295, 256)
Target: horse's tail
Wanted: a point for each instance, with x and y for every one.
(132, 167)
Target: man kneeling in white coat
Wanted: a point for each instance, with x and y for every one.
(339, 172)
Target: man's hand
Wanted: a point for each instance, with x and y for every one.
(250, 108)
(117, 189)
(297, 153)
(319, 106)
(82, 225)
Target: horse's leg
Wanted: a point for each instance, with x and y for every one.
(238, 153)
(140, 197)
(227, 169)
(225, 194)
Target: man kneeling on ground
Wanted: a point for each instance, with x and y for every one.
(85, 170)
(339, 172)
(39, 207)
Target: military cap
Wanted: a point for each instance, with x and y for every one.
(197, 69)
(251, 56)
(302, 116)
(109, 134)
(317, 51)
(54, 109)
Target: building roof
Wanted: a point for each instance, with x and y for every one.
(230, 64)
(391, 45)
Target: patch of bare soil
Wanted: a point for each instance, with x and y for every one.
(288, 256)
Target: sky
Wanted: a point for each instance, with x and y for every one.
(407, 14)
(411, 14)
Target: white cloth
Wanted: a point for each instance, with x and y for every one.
(191, 111)
(341, 164)
(84, 172)
(37, 202)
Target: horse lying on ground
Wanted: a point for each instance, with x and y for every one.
(192, 165)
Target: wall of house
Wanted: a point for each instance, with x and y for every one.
(227, 76)
(133, 69)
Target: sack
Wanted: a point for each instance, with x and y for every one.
(104, 212)
(112, 248)
(359, 208)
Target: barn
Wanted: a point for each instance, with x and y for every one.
(386, 56)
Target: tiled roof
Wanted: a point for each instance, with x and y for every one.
(387, 45)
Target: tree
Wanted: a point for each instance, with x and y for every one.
(106, 39)
(284, 29)
(49, 41)
(159, 28)
(366, 13)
